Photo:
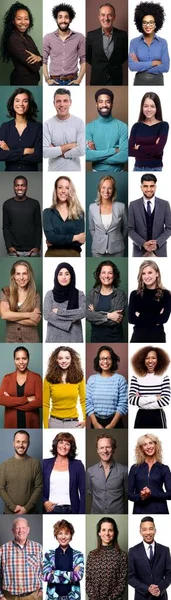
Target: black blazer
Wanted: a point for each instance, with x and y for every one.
(141, 575)
(102, 69)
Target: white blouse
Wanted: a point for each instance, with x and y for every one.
(59, 487)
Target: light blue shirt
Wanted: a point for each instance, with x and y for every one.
(158, 50)
(106, 395)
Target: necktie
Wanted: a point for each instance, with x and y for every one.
(149, 208)
(151, 553)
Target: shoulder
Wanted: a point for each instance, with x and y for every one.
(133, 295)
(81, 295)
(119, 205)
(134, 203)
(8, 125)
(34, 375)
(80, 35)
(93, 207)
(135, 549)
(33, 201)
(52, 122)
(92, 379)
(163, 549)
(164, 125)
(49, 295)
(47, 212)
(120, 32)
(118, 378)
(136, 39)
(94, 123)
(167, 294)
(35, 125)
(76, 121)
(48, 461)
(77, 554)
(92, 555)
(94, 33)
(120, 124)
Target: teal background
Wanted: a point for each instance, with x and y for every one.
(5, 268)
(7, 364)
(6, 92)
(91, 266)
(92, 182)
(35, 33)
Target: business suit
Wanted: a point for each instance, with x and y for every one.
(137, 226)
(141, 574)
(104, 71)
(76, 482)
(110, 239)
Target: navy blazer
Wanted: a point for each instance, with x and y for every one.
(141, 575)
(76, 483)
(139, 477)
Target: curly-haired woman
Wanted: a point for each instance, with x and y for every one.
(19, 47)
(148, 476)
(150, 388)
(21, 137)
(63, 478)
(63, 223)
(63, 386)
(149, 305)
(148, 54)
(106, 304)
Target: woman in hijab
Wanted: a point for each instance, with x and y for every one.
(64, 307)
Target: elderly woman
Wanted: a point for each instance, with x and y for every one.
(148, 476)
(107, 220)
(63, 222)
(64, 478)
(150, 388)
(149, 135)
(148, 54)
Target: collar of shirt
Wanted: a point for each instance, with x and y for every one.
(156, 37)
(146, 547)
(70, 33)
(111, 465)
(60, 550)
(20, 545)
(111, 33)
(152, 200)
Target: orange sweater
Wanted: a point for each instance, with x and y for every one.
(12, 403)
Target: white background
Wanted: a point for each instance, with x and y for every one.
(163, 33)
(162, 191)
(49, 23)
(134, 103)
(47, 351)
(79, 435)
(49, 267)
(78, 179)
(133, 348)
(77, 542)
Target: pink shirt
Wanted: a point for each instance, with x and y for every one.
(64, 55)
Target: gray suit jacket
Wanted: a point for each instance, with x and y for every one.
(111, 238)
(137, 226)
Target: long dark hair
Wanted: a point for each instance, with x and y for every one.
(115, 529)
(9, 27)
(32, 107)
(157, 103)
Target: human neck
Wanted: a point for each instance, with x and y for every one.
(19, 199)
(63, 34)
(106, 289)
(150, 460)
(150, 121)
(20, 119)
(61, 459)
(63, 118)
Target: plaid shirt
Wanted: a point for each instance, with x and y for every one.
(21, 568)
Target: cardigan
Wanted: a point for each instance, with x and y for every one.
(149, 154)
(60, 232)
(108, 240)
(65, 325)
(15, 332)
(31, 137)
(76, 483)
(24, 72)
(106, 573)
(99, 318)
(64, 397)
(12, 403)
(139, 477)
(54, 576)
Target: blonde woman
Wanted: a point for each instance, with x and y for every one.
(149, 305)
(20, 304)
(148, 476)
(107, 220)
(63, 222)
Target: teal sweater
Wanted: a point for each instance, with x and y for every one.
(107, 134)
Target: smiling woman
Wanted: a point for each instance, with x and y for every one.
(64, 307)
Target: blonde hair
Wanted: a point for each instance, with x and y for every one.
(30, 302)
(75, 210)
(114, 192)
(139, 454)
(141, 285)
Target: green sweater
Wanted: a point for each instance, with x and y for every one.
(20, 483)
(107, 134)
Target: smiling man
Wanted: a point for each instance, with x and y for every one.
(107, 480)
(22, 229)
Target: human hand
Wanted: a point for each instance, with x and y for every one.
(145, 493)
(54, 310)
(6, 394)
(136, 146)
(3, 145)
(33, 250)
(80, 237)
(134, 57)
(137, 314)
(11, 250)
(20, 510)
(28, 151)
(162, 311)
(49, 506)
(158, 140)
(81, 424)
(77, 568)
(91, 307)
(48, 244)
(154, 590)
(156, 63)
(90, 145)
(116, 315)
(74, 82)
(6, 305)
(31, 398)
(50, 81)
(39, 594)
(32, 58)
(35, 315)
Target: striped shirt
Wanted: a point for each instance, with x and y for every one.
(21, 567)
(107, 395)
(148, 388)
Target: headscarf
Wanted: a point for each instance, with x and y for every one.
(69, 292)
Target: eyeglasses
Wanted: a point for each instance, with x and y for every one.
(148, 22)
(105, 359)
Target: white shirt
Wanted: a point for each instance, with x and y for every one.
(147, 548)
(59, 487)
(152, 202)
(106, 220)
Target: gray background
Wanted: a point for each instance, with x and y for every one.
(35, 524)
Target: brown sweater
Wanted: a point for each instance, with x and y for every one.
(15, 332)
(12, 403)
(20, 483)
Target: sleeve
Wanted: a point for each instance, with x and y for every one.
(37, 154)
(88, 49)
(6, 226)
(166, 579)
(82, 49)
(38, 487)
(6, 135)
(17, 50)
(37, 403)
(166, 304)
(46, 402)
(3, 493)
(82, 396)
(167, 226)
(165, 392)
(133, 580)
(89, 486)
(132, 494)
(122, 405)
(46, 49)
(49, 152)
(156, 149)
(135, 237)
(164, 67)
(10, 401)
(65, 577)
(122, 155)
(132, 309)
(94, 155)
(124, 222)
(52, 317)
(81, 487)
(80, 140)
(91, 222)
(51, 233)
(141, 65)
(74, 314)
(90, 574)
(96, 317)
(89, 396)
(166, 495)
(134, 389)
(118, 591)
(38, 226)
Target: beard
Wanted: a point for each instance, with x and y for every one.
(64, 27)
(105, 114)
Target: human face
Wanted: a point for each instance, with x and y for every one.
(63, 448)
(20, 188)
(106, 533)
(149, 448)
(21, 276)
(105, 361)
(21, 20)
(147, 530)
(106, 275)
(62, 190)
(21, 531)
(104, 450)
(106, 190)
(21, 104)
(21, 361)
(64, 537)
(149, 277)
(104, 105)
(63, 20)
(64, 277)
(149, 109)
(64, 359)
(148, 24)
(148, 189)
(62, 104)
(106, 17)
(21, 444)
(151, 361)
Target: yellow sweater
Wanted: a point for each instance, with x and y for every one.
(60, 400)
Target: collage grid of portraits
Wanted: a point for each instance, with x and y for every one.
(85, 300)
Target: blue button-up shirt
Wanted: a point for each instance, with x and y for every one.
(157, 50)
